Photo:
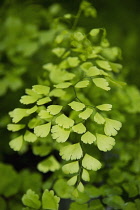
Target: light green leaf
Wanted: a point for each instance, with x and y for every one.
(88, 138)
(93, 71)
(43, 101)
(94, 32)
(15, 127)
(85, 66)
(28, 99)
(49, 164)
(17, 114)
(105, 143)
(104, 65)
(104, 107)
(78, 36)
(77, 106)
(82, 84)
(71, 152)
(73, 61)
(63, 85)
(60, 134)
(42, 130)
(43, 114)
(72, 181)
(71, 168)
(98, 118)
(41, 150)
(31, 199)
(64, 121)
(31, 110)
(30, 137)
(80, 187)
(58, 51)
(111, 127)
(91, 163)
(85, 175)
(57, 93)
(54, 109)
(50, 201)
(79, 128)
(16, 143)
(101, 83)
(86, 113)
(41, 89)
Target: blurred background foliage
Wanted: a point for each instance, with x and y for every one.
(26, 39)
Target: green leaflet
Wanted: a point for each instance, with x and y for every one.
(15, 127)
(49, 164)
(77, 106)
(43, 114)
(60, 134)
(60, 75)
(43, 101)
(64, 121)
(86, 113)
(58, 51)
(82, 84)
(104, 107)
(32, 110)
(91, 163)
(17, 114)
(49, 200)
(73, 61)
(111, 127)
(104, 65)
(31, 199)
(79, 128)
(98, 118)
(88, 138)
(29, 136)
(16, 143)
(71, 152)
(57, 93)
(41, 89)
(85, 175)
(105, 143)
(101, 83)
(41, 150)
(63, 85)
(86, 65)
(94, 32)
(71, 168)
(93, 71)
(42, 130)
(78, 36)
(28, 99)
(72, 181)
(54, 109)
(80, 187)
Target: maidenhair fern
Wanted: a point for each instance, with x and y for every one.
(61, 113)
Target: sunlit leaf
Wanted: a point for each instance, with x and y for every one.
(43, 101)
(85, 175)
(63, 85)
(43, 114)
(29, 136)
(82, 84)
(64, 121)
(16, 143)
(73, 61)
(17, 114)
(93, 71)
(86, 113)
(15, 127)
(42, 130)
(111, 127)
(54, 109)
(58, 51)
(105, 143)
(80, 187)
(59, 133)
(77, 106)
(91, 163)
(104, 65)
(79, 128)
(71, 168)
(98, 118)
(72, 181)
(28, 99)
(101, 83)
(31, 199)
(71, 152)
(88, 138)
(50, 201)
(104, 107)
(41, 89)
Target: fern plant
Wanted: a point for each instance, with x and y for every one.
(66, 118)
